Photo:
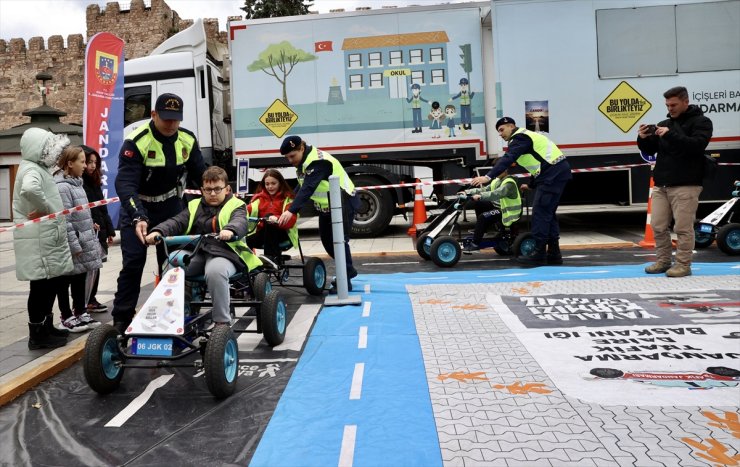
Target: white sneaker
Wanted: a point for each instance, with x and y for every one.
(88, 320)
(72, 324)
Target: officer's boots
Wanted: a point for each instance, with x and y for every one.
(554, 257)
(39, 337)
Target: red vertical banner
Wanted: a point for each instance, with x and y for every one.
(103, 111)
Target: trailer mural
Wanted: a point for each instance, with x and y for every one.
(361, 83)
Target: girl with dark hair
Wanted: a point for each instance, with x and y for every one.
(271, 198)
(92, 183)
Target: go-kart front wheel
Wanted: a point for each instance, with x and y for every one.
(274, 318)
(424, 246)
(262, 286)
(445, 251)
(102, 359)
(728, 239)
(524, 245)
(503, 247)
(314, 276)
(221, 362)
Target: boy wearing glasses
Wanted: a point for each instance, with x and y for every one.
(218, 211)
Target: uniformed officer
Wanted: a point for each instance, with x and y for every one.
(313, 168)
(550, 173)
(154, 165)
(465, 96)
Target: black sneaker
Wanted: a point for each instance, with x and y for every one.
(471, 248)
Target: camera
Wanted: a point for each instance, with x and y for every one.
(650, 129)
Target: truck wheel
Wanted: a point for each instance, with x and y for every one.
(376, 209)
(274, 318)
(424, 246)
(607, 373)
(728, 239)
(524, 245)
(702, 239)
(101, 359)
(221, 362)
(262, 286)
(445, 251)
(314, 276)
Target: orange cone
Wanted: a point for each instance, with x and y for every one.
(649, 240)
(420, 210)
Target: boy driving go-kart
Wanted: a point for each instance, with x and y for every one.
(498, 204)
(218, 211)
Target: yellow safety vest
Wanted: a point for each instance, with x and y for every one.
(320, 196)
(151, 149)
(292, 232)
(511, 209)
(542, 146)
(224, 216)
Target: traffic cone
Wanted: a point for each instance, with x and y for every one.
(649, 240)
(420, 210)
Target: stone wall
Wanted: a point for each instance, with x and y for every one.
(141, 27)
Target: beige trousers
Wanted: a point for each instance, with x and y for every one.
(677, 203)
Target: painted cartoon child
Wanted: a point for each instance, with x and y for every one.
(465, 97)
(415, 99)
(437, 116)
(450, 112)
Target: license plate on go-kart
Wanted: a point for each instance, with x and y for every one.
(706, 228)
(151, 346)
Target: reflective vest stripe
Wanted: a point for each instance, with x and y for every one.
(544, 151)
(148, 146)
(320, 196)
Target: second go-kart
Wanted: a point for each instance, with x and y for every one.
(174, 324)
(722, 225)
(441, 239)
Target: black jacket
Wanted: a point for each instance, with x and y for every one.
(204, 223)
(680, 160)
(100, 214)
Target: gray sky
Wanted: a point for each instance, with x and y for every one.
(29, 18)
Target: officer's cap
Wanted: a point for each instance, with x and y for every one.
(505, 120)
(291, 143)
(415, 86)
(169, 107)
(463, 80)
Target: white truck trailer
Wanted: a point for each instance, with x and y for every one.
(388, 91)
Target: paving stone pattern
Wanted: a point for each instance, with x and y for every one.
(480, 424)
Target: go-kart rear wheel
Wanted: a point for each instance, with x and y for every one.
(274, 318)
(101, 360)
(728, 239)
(221, 362)
(524, 245)
(445, 251)
(702, 239)
(262, 286)
(424, 246)
(314, 276)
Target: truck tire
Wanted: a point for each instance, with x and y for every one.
(728, 239)
(445, 251)
(376, 208)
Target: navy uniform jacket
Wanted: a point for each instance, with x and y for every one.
(135, 178)
(522, 144)
(316, 172)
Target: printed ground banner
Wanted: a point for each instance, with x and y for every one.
(633, 349)
(103, 109)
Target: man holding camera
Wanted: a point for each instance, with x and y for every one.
(679, 142)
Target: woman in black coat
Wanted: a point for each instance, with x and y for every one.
(103, 224)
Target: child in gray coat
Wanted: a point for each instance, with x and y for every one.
(83, 241)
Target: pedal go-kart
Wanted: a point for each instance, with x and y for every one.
(441, 239)
(723, 225)
(174, 324)
(313, 270)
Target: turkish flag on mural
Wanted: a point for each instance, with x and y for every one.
(323, 46)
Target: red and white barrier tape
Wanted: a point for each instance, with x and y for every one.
(455, 181)
(63, 212)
